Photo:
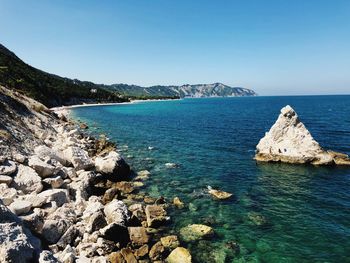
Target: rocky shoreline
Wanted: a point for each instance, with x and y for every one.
(68, 197)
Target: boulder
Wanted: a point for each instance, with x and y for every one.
(5, 179)
(92, 206)
(17, 243)
(42, 168)
(95, 222)
(115, 232)
(105, 246)
(27, 180)
(54, 229)
(171, 165)
(289, 141)
(44, 152)
(19, 207)
(35, 200)
(156, 215)
(8, 167)
(257, 219)
(157, 251)
(178, 203)
(170, 242)
(116, 257)
(142, 175)
(218, 194)
(20, 158)
(141, 252)
(33, 221)
(60, 196)
(54, 182)
(68, 237)
(116, 212)
(112, 166)
(196, 232)
(179, 254)
(46, 256)
(128, 255)
(124, 187)
(78, 158)
(7, 194)
(138, 235)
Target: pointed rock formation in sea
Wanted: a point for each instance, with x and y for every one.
(289, 141)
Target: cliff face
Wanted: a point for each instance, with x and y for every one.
(194, 91)
(212, 90)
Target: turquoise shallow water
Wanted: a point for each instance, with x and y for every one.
(304, 210)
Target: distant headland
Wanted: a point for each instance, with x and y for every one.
(53, 90)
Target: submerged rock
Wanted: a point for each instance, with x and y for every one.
(289, 141)
(218, 194)
(171, 242)
(196, 232)
(178, 203)
(179, 254)
(257, 219)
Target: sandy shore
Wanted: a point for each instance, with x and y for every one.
(65, 110)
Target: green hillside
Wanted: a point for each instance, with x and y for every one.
(47, 88)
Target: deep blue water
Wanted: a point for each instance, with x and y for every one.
(307, 209)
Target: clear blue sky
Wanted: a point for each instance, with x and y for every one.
(271, 46)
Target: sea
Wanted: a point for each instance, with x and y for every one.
(278, 212)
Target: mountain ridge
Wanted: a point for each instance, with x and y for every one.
(53, 90)
(216, 89)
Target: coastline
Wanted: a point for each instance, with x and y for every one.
(63, 111)
(70, 197)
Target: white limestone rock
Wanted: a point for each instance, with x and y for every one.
(5, 179)
(55, 182)
(113, 166)
(7, 194)
(289, 141)
(46, 256)
(27, 180)
(35, 200)
(17, 244)
(19, 207)
(54, 229)
(20, 158)
(43, 152)
(60, 196)
(116, 212)
(8, 167)
(42, 168)
(78, 157)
